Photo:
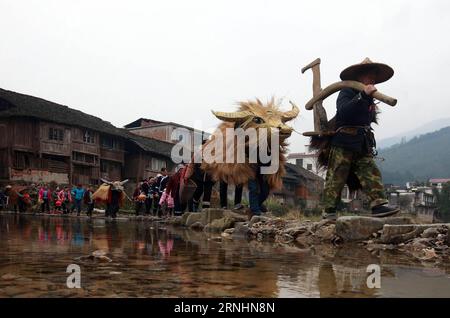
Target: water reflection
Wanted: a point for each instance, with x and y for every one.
(151, 260)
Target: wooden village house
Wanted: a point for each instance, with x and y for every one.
(300, 187)
(41, 141)
(166, 131)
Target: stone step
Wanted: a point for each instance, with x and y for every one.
(209, 215)
(359, 228)
(397, 233)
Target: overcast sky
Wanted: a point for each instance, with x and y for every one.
(177, 60)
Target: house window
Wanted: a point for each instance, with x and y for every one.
(21, 160)
(103, 167)
(299, 162)
(84, 157)
(55, 134)
(157, 164)
(82, 170)
(309, 166)
(108, 167)
(88, 137)
(109, 143)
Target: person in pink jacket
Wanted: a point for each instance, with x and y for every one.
(65, 197)
(167, 204)
(45, 196)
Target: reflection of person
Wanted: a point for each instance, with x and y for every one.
(352, 146)
(78, 237)
(327, 280)
(165, 247)
(113, 235)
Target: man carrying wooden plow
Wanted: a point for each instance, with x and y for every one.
(346, 144)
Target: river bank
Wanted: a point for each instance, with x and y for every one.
(137, 257)
(423, 242)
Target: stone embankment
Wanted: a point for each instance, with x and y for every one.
(428, 242)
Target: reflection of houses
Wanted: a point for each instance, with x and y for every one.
(300, 186)
(43, 141)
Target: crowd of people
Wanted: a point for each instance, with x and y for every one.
(151, 196)
(45, 198)
(156, 196)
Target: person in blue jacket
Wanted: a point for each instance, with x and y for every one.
(78, 195)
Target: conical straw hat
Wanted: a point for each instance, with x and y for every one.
(382, 71)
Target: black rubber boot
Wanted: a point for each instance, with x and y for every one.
(383, 210)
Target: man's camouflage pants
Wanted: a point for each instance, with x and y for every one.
(340, 163)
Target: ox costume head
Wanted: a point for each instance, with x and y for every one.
(256, 115)
(115, 185)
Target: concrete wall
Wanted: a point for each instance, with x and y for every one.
(160, 133)
(37, 176)
(425, 214)
(309, 160)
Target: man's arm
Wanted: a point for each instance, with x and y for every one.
(348, 102)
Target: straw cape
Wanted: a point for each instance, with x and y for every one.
(382, 71)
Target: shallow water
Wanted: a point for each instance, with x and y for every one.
(152, 260)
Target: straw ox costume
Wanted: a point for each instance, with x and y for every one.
(256, 115)
(251, 114)
(112, 194)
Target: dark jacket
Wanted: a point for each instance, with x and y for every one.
(161, 182)
(145, 187)
(354, 109)
(153, 189)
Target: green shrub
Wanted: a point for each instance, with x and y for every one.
(277, 208)
(312, 212)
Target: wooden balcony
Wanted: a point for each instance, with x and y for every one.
(112, 154)
(85, 147)
(55, 148)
